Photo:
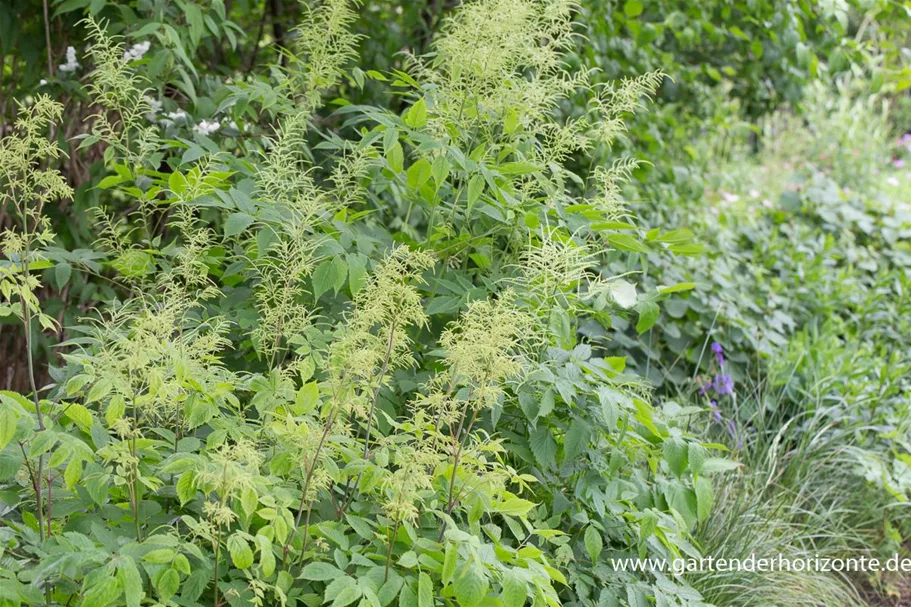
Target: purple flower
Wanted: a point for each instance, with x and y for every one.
(724, 384)
(716, 412)
(732, 430)
(898, 163)
(719, 352)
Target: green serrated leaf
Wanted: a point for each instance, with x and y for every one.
(320, 572)
(543, 446)
(131, 581)
(167, 584)
(425, 590)
(80, 415)
(102, 593)
(62, 273)
(416, 116)
(241, 553)
(237, 223)
(675, 454)
(471, 585)
(515, 590)
(576, 439)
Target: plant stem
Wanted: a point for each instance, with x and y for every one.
(379, 384)
(311, 469)
(395, 531)
(217, 558)
(47, 39)
(133, 487)
(376, 394)
(27, 314)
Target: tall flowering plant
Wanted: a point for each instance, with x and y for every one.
(720, 384)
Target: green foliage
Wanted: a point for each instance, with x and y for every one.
(419, 332)
(805, 292)
(350, 371)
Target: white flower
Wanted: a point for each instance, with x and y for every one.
(892, 181)
(154, 104)
(42, 82)
(754, 193)
(178, 115)
(137, 51)
(71, 64)
(206, 128)
(728, 197)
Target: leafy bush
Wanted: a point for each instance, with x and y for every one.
(791, 343)
(342, 365)
(458, 325)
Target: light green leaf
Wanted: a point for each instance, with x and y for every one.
(249, 500)
(515, 590)
(395, 157)
(177, 183)
(347, 596)
(168, 583)
(675, 453)
(648, 316)
(625, 242)
(357, 272)
(704, 498)
(449, 562)
(718, 464)
(237, 223)
(104, 592)
(8, 421)
(440, 170)
(80, 415)
(697, 455)
(632, 8)
(186, 486)
(73, 472)
(266, 556)
(159, 556)
(416, 116)
(514, 506)
(98, 391)
(241, 553)
(11, 461)
(475, 188)
(131, 581)
(42, 443)
(320, 572)
(677, 288)
(471, 585)
(110, 181)
(593, 543)
(425, 590)
(418, 174)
